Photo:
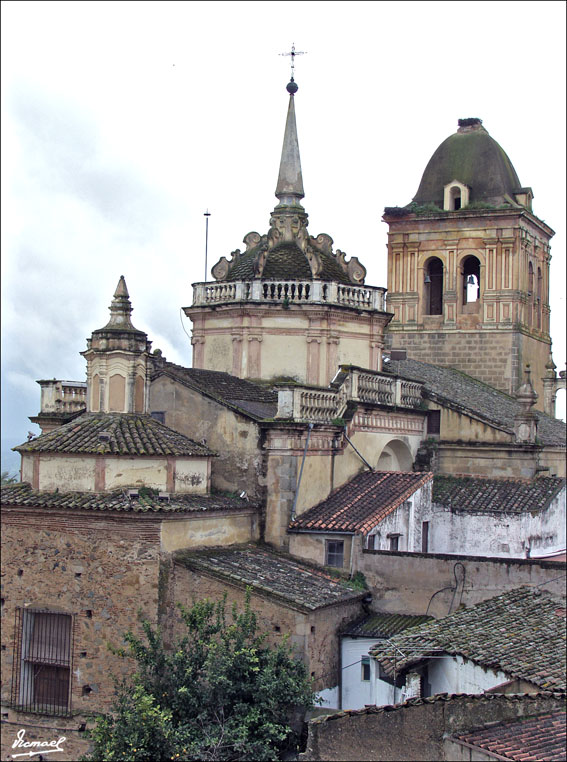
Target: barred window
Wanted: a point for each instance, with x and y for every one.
(41, 677)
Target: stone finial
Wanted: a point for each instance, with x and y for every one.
(121, 308)
(525, 421)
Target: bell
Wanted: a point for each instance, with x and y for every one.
(470, 280)
(427, 279)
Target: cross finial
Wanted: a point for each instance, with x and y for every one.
(293, 52)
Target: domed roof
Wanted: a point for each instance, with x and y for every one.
(473, 158)
(286, 262)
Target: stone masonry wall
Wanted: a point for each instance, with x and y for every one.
(417, 730)
(406, 583)
(313, 634)
(102, 570)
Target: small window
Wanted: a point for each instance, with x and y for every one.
(370, 541)
(365, 669)
(424, 536)
(394, 541)
(158, 415)
(335, 553)
(434, 422)
(41, 677)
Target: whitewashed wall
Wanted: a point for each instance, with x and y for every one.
(454, 674)
(497, 533)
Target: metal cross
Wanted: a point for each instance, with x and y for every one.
(293, 53)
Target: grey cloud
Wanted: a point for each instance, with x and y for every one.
(65, 154)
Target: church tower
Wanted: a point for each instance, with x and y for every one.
(288, 306)
(118, 371)
(468, 266)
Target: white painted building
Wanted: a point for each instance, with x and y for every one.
(360, 682)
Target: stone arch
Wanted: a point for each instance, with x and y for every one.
(395, 456)
(470, 268)
(433, 286)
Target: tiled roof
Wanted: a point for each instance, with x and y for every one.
(524, 739)
(464, 392)
(286, 262)
(256, 400)
(115, 434)
(273, 573)
(521, 633)
(441, 698)
(22, 496)
(384, 625)
(489, 495)
(362, 503)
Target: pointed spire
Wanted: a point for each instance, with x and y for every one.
(289, 190)
(121, 309)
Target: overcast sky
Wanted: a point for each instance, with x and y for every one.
(123, 122)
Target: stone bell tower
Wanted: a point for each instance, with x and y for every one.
(117, 355)
(468, 266)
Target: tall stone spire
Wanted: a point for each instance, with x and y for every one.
(289, 190)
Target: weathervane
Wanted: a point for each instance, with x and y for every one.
(293, 53)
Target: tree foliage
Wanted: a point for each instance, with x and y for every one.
(8, 478)
(220, 693)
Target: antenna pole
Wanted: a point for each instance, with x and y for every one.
(206, 215)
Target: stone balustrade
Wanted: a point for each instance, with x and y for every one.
(300, 403)
(290, 292)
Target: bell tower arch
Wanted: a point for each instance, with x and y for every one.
(468, 266)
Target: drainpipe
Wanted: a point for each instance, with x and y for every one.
(293, 507)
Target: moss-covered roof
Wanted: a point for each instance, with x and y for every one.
(271, 572)
(474, 158)
(286, 262)
(147, 500)
(470, 494)
(521, 633)
(115, 434)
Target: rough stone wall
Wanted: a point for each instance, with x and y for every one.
(404, 583)
(313, 634)
(415, 731)
(102, 570)
(492, 461)
(491, 357)
(234, 437)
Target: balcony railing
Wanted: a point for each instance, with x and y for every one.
(323, 406)
(290, 292)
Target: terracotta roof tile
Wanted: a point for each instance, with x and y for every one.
(462, 391)
(502, 495)
(530, 738)
(22, 496)
(115, 434)
(362, 503)
(519, 632)
(271, 572)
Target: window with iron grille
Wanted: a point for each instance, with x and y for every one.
(335, 553)
(41, 673)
